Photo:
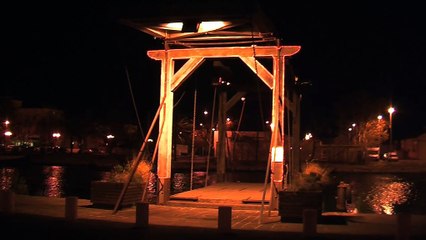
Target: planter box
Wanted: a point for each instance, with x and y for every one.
(292, 204)
(106, 194)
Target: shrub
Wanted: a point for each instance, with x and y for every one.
(120, 173)
(312, 178)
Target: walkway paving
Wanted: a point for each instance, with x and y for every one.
(44, 218)
(236, 194)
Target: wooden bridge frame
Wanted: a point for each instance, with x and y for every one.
(171, 80)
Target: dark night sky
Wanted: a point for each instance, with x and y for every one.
(358, 57)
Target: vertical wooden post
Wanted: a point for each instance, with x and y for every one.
(7, 201)
(142, 214)
(71, 204)
(403, 227)
(309, 222)
(225, 219)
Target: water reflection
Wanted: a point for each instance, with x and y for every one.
(151, 189)
(6, 178)
(371, 193)
(181, 181)
(53, 181)
(387, 193)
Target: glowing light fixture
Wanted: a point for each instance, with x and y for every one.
(211, 25)
(278, 154)
(175, 26)
(194, 26)
(391, 110)
(308, 136)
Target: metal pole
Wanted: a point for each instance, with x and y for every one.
(138, 158)
(390, 132)
(193, 139)
(211, 139)
(152, 159)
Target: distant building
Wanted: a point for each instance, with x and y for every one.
(37, 125)
(414, 148)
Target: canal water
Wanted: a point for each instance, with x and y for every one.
(370, 192)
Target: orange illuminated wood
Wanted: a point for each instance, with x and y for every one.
(225, 52)
(171, 80)
(259, 70)
(186, 70)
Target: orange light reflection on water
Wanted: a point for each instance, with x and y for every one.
(386, 195)
(6, 178)
(53, 181)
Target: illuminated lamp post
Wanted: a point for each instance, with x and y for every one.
(391, 110)
(354, 134)
(379, 119)
(349, 135)
(7, 135)
(108, 144)
(56, 137)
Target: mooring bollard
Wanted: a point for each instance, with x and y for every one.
(71, 204)
(7, 201)
(142, 214)
(225, 219)
(403, 227)
(309, 222)
(342, 196)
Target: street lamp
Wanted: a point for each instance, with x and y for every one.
(391, 110)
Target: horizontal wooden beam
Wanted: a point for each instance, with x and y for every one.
(225, 52)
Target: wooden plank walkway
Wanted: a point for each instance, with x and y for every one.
(237, 194)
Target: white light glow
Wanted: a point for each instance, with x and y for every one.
(210, 26)
(308, 136)
(278, 154)
(177, 26)
(204, 26)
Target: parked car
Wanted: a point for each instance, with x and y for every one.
(391, 156)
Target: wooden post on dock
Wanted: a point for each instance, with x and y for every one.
(225, 219)
(403, 227)
(7, 201)
(142, 214)
(309, 222)
(71, 204)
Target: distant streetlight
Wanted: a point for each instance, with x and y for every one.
(308, 136)
(56, 135)
(379, 117)
(391, 110)
(7, 135)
